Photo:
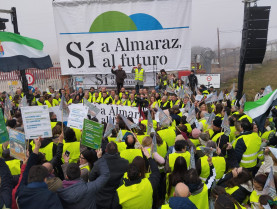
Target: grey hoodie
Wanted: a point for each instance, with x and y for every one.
(81, 195)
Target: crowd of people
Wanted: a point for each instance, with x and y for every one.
(180, 164)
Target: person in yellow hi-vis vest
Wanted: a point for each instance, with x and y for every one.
(130, 153)
(219, 162)
(199, 190)
(71, 145)
(226, 201)
(247, 146)
(13, 164)
(137, 192)
(180, 198)
(139, 77)
(180, 150)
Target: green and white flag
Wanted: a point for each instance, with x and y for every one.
(260, 109)
(18, 53)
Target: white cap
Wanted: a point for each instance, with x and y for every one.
(273, 151)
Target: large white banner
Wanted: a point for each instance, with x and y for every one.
(106, 111)
(100, 80)
(95, 35)
(113, 110)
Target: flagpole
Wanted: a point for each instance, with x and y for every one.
(62, 120)
(220, 137)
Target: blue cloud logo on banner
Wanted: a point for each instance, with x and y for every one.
(112, 21)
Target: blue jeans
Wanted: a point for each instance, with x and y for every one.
(138, 87)
(157, 88)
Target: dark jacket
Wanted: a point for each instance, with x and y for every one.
(181, 203)
(117, 166)
(81, 195)
(224, 139)
(120, 75)
(35, 194)
(154, 180)
(240, 146)
(192, 81)
(6, 185)
(240, 194)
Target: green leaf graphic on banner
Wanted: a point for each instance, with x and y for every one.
(112, 21)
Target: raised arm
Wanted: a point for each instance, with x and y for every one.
(6, 185)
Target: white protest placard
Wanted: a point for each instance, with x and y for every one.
(199, 97)
(93, 36)
(36, 122)
(113, 110)
(209, 80)
(58, 113)
(76, 115)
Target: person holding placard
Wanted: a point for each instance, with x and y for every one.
(32, 191)
(6, 185)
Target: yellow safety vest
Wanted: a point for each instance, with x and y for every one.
(177, 102)
(141, 137)
(164, 82)
(204, 123)
(153, 105)
(111, 139)
(53, 124)
(189, 129)
(205, 92)
(39, 103)
(14, 166)
(171, 189)
(253, 143)
(85, 167)
(120, 94)
(126, 103)
(74, 149)
(232, 136)
(219, 165)
(201, 200)
(195, 142)
(145, 122)
(172, 158)
(133, 104)
(136, 196)
(121, 146)
(139, 75)
(162, 149)
(56, 102)
(118, 102)
(165, 104)
(78, 133)
(69, 101)
(230, 191)
(168, 135)
(124, 131)
(217, 136)
(247, 117)
(266, 134)
(105, 101)
(1, 149)
(48, 103)
(96, 100)
(47, 150)
(130, 154)
(254, 198)
(210, 132)
(165, 206)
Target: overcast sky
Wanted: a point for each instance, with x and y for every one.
(35, 20)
